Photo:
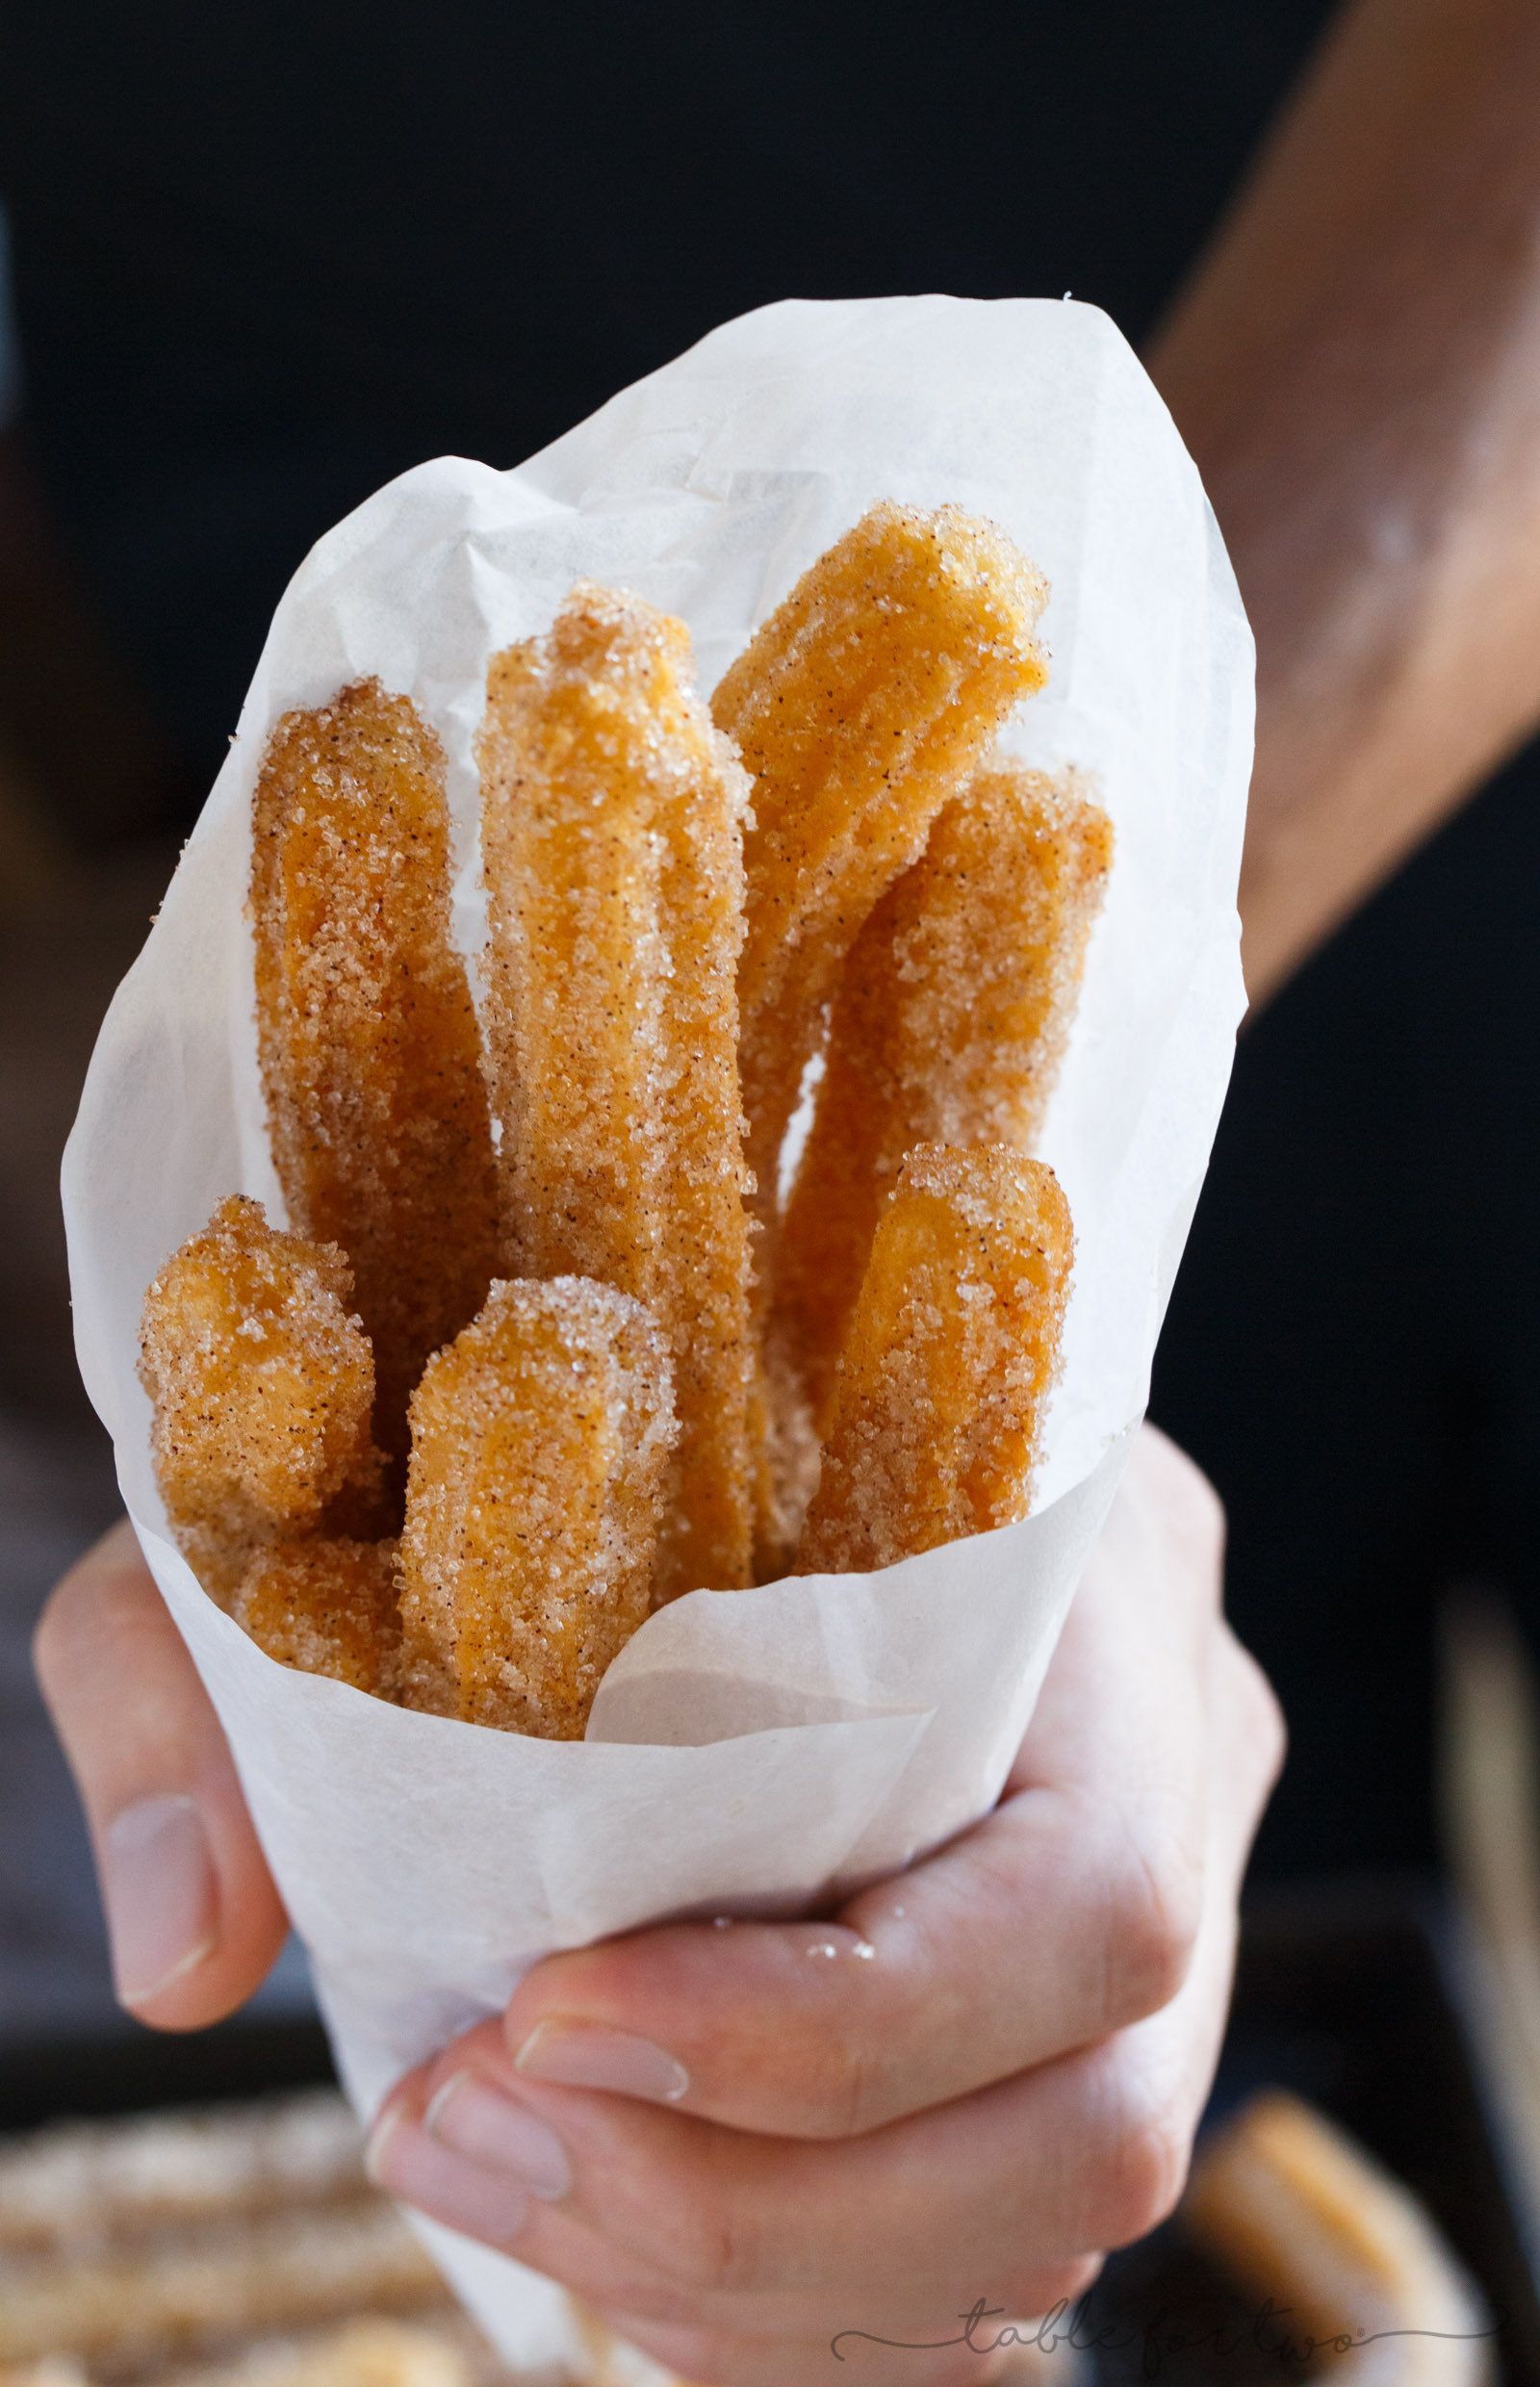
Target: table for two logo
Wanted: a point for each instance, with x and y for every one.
(1166, 2334)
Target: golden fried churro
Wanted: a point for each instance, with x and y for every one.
(949, 1025)
(535, 1497)
(612, 851)
(263, 1388)
(1296, 2211)
(369, 1051)
(860, 707)
(328, 1607)
(951, 1353)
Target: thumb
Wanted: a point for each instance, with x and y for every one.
(193, 1915)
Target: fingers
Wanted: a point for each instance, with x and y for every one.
(726, 2246)
(1066, 1914)
(689, 2233)
(194, 1919)
(683, 2223)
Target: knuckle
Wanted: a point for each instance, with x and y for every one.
(1051, 2290)
(1264, 1731)
(1191, 1498)
(1189, 1511)
(1153, 1925)
(1142, 2169)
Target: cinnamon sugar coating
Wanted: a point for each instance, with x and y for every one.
(369, 1051)
(611, 845)
(953, 1011)
(858, 708)
(263, 1387)
(951, 1354)
(535, 1498)
(326, 1606)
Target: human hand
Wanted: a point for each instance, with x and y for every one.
(1008, 2084)
(742, 2145)
(193, 1915)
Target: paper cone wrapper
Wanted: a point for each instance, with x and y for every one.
(755, 1752)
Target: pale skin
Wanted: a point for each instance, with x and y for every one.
(774, 2142)
(1008, 2085)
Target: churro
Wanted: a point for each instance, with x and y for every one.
(536, 1495)
(950, 1021)
(263, 1387)
(369, 1044)
(611, 845)
(858, 708)
(222, 2246)
(328, 1607)
(1303, 2218)
(285, 2270)
(87, 2182)
(951, 1352)
(626, 1415)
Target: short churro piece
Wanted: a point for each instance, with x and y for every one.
(369, 1051)
(950, 1356)
(328, 1607)
(611, 844)
(535, 1497)
(263, 1388)
(860, 707)
(1297, 2213)
(950, 1020)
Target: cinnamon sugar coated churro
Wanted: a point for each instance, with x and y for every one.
(224, 2246)
(263, 1388)
(540, 1441)
(612, 817)
(858, 707)
(950, 1021)
(951, 1353)
(369, 1044)
(628, 1412)
(328, 1607)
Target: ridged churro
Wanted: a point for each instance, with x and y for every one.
(953, 1011)
(951, 1353)
(219, 2246)
(858, 708)
(327, 1605)
(611, 845)
(369, 1044)
(535, 1498)
(263, 1387)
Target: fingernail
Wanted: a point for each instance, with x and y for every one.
(589, 2055)
(162, 1895)
(495, 2131)
(406, 2163)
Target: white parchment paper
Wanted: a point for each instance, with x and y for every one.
(761, 1751)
